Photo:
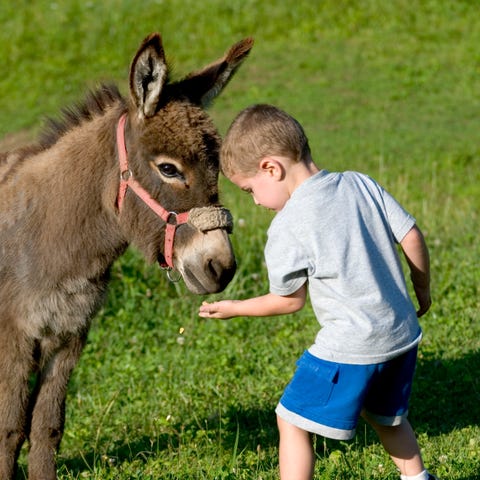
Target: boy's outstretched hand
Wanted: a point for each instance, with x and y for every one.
(262, 306)
(223, 309)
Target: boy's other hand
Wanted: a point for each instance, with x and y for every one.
(424, 300)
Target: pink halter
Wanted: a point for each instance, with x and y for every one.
(171, 219)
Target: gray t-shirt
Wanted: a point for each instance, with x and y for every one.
(339, 232)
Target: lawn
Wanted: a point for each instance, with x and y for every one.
(391, 89)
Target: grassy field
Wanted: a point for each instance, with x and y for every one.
(390, 88)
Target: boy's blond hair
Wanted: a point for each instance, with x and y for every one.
(260, 131)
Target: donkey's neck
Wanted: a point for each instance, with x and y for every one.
(64, 202)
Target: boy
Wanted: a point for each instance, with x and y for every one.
(335, 234)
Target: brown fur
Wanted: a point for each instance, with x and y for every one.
(60, 231)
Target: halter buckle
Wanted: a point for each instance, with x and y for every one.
(172, 218)
(126, 175)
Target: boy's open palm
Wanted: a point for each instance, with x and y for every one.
(223, 309)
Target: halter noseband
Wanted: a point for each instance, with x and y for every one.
(203, 218)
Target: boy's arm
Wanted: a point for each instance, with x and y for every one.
(416, 253)
(265, 305)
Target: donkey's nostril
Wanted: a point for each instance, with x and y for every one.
(220, 273)
(213, 268)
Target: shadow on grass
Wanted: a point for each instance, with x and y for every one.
(446, 394)
(237, 430)
(446, 397)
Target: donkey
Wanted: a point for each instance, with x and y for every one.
(110, 172)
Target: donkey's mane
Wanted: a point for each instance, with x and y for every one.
(95, 103)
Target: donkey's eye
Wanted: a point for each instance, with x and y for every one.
(169, 170)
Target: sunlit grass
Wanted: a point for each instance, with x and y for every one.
(387, 88)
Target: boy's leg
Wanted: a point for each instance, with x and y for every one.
(401, 444)
(296, 455)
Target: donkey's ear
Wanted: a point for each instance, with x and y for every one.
(202, 86)
(148, 75)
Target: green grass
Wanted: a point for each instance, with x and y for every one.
(388, 88)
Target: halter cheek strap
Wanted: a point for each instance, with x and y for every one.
(127, 180)
(202, 218)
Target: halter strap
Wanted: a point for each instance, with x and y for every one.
(171, 219)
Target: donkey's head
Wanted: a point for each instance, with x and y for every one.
(173, 151)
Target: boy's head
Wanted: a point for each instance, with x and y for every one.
(261, 131)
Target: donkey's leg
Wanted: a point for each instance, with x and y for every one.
(15, 366)
(48, 414)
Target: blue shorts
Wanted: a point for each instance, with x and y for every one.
(327, 398)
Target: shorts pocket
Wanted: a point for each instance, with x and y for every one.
(312, 383)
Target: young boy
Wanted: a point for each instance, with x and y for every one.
(335, 234)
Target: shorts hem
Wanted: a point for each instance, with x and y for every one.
(387, 421)
(312, 426)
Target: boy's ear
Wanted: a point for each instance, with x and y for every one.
(272, 167)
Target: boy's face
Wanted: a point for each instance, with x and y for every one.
(267, 186)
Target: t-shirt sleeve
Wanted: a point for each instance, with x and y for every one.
(286, 262)
(399, 219)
